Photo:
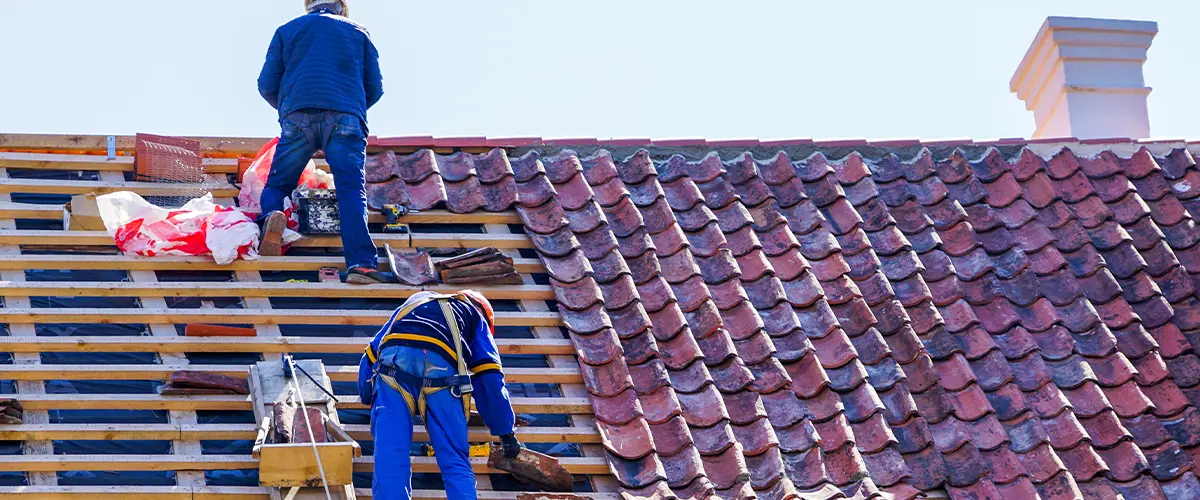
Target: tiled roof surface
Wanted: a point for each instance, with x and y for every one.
(1000, 325)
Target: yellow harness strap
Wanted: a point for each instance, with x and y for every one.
(416, 405)
(452, 322)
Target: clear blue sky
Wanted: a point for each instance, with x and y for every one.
(611, 68)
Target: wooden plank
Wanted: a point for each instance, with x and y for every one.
(287, 465)
(275, 345)
(98, 163)
(51, 161)
(74, 142)
(174, 263)
(38, 402)
(47, 186)
(215, 493)
(163, 372)
(54, 212)
(194, 432)
(26, 316)
(415, 240)
(55, 463)
(9, 210)
(265, 289)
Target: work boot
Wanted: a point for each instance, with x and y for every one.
(362, 275)
(270, 242)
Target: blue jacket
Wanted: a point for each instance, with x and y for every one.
(425, 327)
(321, 61)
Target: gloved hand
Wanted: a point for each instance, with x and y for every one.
(511, 446)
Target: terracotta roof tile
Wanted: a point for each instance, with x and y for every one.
(998, 325)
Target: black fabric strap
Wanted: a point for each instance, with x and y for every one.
(410, 380)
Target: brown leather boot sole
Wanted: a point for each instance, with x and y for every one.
(271, 243)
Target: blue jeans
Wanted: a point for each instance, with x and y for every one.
(343, 138)
(392, 429)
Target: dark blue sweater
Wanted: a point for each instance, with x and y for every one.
(321, 61)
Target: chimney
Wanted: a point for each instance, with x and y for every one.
(1083, 78)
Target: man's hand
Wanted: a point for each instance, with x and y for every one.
(511, 446)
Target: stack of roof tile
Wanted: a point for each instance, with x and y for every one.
(996, 326)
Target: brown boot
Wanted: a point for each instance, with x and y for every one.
(271, 239)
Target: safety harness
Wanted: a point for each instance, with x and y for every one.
(459, 384)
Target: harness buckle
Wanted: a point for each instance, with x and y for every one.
(461, 389)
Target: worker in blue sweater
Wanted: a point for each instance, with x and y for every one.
(322, 74)
(433, 355)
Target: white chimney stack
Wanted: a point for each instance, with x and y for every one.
(1083, 78)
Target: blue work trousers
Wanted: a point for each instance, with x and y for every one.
(343, 138)
(392, 429)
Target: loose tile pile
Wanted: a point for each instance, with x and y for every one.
(11, 412)
(189, 383)
(774, 326)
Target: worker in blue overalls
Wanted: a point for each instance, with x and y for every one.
(429, 359)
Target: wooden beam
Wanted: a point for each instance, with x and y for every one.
(174, 263)
(55, 463)
(163, 372)
(548, 406)
(416, 240)
(45, 186)
(9, 210)
(266, 289)
(198, 432)
(163, 344)
(99, 163)
(73, 142)
(51, 161)
(240, 316)
(55, 212)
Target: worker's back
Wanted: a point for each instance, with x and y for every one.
(327, 64)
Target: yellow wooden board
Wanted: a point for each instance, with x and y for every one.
(216, 493)
(54, 463)
(163, 372)
(415, 240)
(176, 263)
(288, 465)
(547, 405)
(195, 432)
(264, 289)
(240, 316)
(162, 344)
(43, 186)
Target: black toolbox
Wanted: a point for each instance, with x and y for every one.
(317, 211)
